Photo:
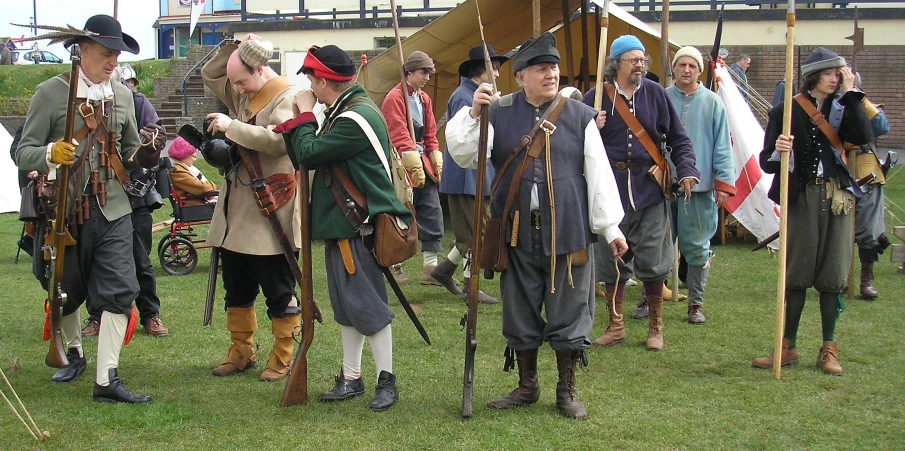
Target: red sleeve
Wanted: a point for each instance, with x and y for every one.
(291, 124)
(430, 125)
(394, 111)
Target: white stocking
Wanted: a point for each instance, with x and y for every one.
(353, 342)
(109, 343)
(382, 348)
(71, 325)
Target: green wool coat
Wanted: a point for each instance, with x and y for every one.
(46, 123)
(347, 145)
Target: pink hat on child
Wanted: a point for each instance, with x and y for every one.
(180, 149)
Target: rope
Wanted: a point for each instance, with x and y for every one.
(612, 300)
(549, 171)
(34, 432)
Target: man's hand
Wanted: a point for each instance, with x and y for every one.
(848, 79)
(154, 135)
(619, 247)
(601, 120)
(784, 143)
(305, 101)
(721, 198)
(219, 123)
(411, 161)
(687, 184)
(484, 95)
(253, 37)
(436, 158)
(62, 153)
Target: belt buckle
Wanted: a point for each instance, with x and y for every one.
(819, 180)
(621, 165)
(535, 218)
(548, 127)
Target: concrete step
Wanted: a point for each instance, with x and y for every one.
(178, 98)
(169, 113)
(172, 105)
(169, 123)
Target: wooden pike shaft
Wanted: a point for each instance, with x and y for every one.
(403, 86)
(784, 196)
(664, 47)
(601, 55)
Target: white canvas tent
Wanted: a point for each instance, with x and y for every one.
(10, 197)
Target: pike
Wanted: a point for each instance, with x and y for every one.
(601, 54)
(784, 194)
(470, 321)
(57, 238)
(715, 50)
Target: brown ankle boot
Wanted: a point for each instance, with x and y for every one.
(615, 331)
(789, 357)
(528, 390)
(655, 323)
(827, 360)
(281, 354)
(868, 292)
(566, 398)
(242, 324)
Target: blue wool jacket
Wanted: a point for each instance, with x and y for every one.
(707, 125)
(456, 180)
(657, 116)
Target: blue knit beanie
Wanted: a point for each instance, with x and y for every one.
(624, 44)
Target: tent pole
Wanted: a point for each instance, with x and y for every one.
(535, 14)
(567, 29)
(585, 61)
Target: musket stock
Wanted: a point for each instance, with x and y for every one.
(296, 389)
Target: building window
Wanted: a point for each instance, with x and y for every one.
(385, 42)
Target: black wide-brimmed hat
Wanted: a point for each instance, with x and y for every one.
(109, 33)
(536, 51)
(476, 56)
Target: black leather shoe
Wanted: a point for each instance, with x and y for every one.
(117, 392)
(75, 368)
(386, 394)
(343, 389)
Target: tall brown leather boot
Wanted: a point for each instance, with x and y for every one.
(528, 390)
(789, 357)
(281, 354)
(868, 291)
(655, 323)
(241, 324)
(566, 398)
(615, 331)
(827, 359)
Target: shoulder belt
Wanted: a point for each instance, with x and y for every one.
(820, 121)
(637, 129)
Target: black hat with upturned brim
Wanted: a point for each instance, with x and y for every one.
(476, 57)
(109, 34)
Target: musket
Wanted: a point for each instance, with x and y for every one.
(296, 389)
(784, 195)
(57, 238)
(211, 286)
(474, 282)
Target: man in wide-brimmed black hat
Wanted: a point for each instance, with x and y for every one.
(559, 206)
(99, 266)
(459, 183)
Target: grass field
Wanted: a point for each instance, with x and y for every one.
(699, 393)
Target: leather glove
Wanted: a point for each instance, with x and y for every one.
(155, 136)
(436, 158)
(411, 161)
(62, 153)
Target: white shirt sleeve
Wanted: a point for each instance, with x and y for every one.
(604, 205)
(462, 132)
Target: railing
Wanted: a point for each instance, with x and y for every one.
(333, 13)
(185, 96)
(653, 5)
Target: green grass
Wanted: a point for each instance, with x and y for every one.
(18, 83)
(699, 393)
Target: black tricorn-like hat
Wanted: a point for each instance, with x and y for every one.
(536, 51)
(476, 57)
(109, 34)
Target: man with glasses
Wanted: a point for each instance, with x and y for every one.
(646, 224)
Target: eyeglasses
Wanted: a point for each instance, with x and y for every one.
(635, 61)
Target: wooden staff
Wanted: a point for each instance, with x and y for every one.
(601, 55)
(403, 86)
(567, 30)
(583, 67)
(784, 195)
(535, 18)
(664, 48)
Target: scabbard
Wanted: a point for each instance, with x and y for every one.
(405, 303)
(345, 249)
(211, 287)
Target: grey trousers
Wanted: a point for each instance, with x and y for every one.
(820, 243)
(429, 216)
(525, 287)
(359, 300)
(869, 218)
(650, 250)
(461, 215)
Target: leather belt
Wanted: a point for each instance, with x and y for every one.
(622, 165)
(817, 181)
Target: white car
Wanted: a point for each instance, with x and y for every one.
(34, 56)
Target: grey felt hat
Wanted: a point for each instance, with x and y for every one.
(536, 51)
(819, 60)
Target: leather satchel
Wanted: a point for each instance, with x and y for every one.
(661, 172)
(494, 253)
(28, 209)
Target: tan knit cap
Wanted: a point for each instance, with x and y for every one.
(255, 52)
